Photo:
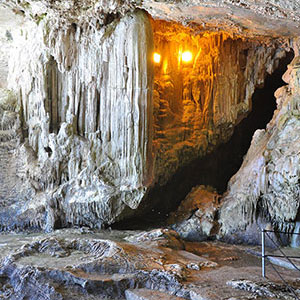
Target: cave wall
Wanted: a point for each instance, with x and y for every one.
(265, 192)
(86, 100)
(96, 135)
(197, 104)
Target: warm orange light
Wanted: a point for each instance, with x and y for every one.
(187, 56)
(156, 58)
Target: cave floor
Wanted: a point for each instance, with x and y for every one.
(86, 264)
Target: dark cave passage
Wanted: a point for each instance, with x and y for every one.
(216, 168)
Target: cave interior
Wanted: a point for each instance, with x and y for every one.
(177, 84)
(139, 140)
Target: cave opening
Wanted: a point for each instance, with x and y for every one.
(216, 168)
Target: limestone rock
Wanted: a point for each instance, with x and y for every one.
(96, 140)
(195, 218)
(269, 289)
(101, 126)
(162, 237)
(75, 265)
(197, 104)
(15, 193)
(270, 18)
(90, 264)
(88, 128)
(267, 184)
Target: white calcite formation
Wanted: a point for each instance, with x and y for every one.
(267, 183)
(86, 102)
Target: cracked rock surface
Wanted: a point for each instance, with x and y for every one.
(86, 264)
(96, 126)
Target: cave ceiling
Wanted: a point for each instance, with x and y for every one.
(248, 18)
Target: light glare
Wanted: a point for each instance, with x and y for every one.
(156, 58)
(187, 56)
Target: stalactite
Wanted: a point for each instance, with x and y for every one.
(86, 95)
(87, 108)
(200, 102)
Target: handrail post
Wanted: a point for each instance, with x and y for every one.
(263, 270)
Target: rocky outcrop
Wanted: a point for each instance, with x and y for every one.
(82, 266)
(271, 18)
(267, 185)
(196, 216)
(86, 264)
(267, 19)
(267, 290)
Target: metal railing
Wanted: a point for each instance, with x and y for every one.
(264, 256)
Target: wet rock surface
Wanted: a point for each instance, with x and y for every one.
(85, 264)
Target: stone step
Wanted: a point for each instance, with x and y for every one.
(146, 294)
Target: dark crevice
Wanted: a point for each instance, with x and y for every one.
(48, 150)
(52, 101)
(216, 168)
(110, 17)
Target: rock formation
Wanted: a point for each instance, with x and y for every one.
(260, 19)
(88, 124)
(267, 185)
(197, 104)
(97, 124)
(196, 217)
(93, 130)
(87, 265)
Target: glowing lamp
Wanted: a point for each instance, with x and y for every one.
(187, 56)
(156, 58)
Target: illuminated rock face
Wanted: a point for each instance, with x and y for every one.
(197, 103)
